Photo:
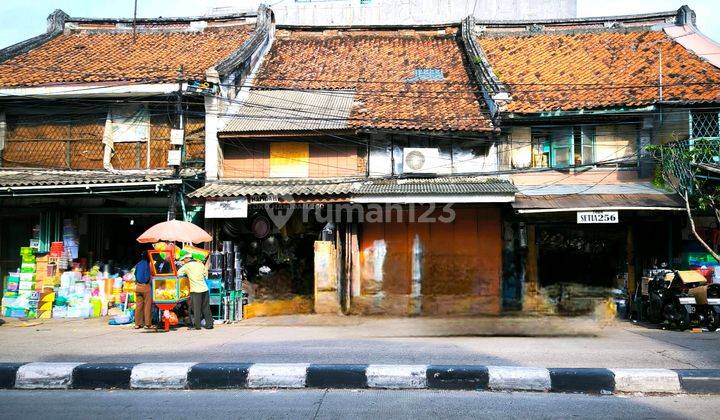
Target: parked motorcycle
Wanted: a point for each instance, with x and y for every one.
(683, 298)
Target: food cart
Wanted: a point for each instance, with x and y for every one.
(167, 288)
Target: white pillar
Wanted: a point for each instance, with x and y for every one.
(212, 146)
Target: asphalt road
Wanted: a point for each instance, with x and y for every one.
(332, 404)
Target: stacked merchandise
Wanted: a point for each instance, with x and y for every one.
(10, 297)
(21, 297)
(45, 304)
(43, 288)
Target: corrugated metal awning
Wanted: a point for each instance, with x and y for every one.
(251, 187)
(439, 185)
(589, 202)
(291, 110)
(65, 182)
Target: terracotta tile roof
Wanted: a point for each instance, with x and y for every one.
(90, 57)
(380, 66)
(548, 72)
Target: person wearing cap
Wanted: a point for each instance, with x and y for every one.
(199, 293)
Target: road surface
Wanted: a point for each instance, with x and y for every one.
(346, 404)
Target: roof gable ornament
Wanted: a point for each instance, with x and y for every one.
(56, 21)
(685, 16)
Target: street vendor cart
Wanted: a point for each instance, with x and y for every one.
(168, 289)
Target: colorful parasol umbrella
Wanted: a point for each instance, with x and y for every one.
(174, 231)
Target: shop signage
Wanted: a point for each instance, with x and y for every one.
(202, 87)
(226, 209)
(264, 199)
(597, 217)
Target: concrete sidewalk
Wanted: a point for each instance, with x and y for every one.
(507, 341)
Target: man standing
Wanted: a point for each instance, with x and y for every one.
(199, 293)
(143, 294)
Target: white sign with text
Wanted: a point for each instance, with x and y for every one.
(227, 209)
(584, 217)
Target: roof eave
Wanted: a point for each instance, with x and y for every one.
(288, 133)
(637, 18)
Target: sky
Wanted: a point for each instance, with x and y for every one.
(23, 19)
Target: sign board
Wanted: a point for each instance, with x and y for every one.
(177, 137)
(174, 157)
(585, 217)
(202, 87)
(226, 209)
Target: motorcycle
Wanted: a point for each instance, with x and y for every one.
(682, 299)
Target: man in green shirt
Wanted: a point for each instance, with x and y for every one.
(199, 293)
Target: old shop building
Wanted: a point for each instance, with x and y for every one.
(87, 111)
(581, 98)
(365, 117)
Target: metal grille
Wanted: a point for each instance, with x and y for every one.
(681, 159)
(704, 124)
(77, 144)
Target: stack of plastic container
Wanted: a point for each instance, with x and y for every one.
(27, 294)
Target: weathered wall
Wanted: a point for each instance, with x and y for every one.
(327, 298)
(615, 141)
(373, 12)
(245, 158)
(520, 141)
(673, 125)
(432, 268)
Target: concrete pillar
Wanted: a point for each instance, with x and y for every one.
(327, 299)
(212, 145)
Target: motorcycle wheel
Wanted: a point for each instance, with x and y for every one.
(713, 321)
(677, 316)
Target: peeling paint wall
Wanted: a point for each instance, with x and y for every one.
(432, 268)
(327, 299)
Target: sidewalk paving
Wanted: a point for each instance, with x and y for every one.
(505, 341)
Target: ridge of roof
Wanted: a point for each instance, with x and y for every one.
(620, 23)
(564, 32)
(263, 30)
(589, 19)
(370, 27)
(163, 19)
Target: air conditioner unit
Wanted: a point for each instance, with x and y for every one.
(418, 160)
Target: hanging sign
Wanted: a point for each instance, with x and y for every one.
(586, 217)
(226, 209)
(177, 137)
(174, 157)
(202, 87)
